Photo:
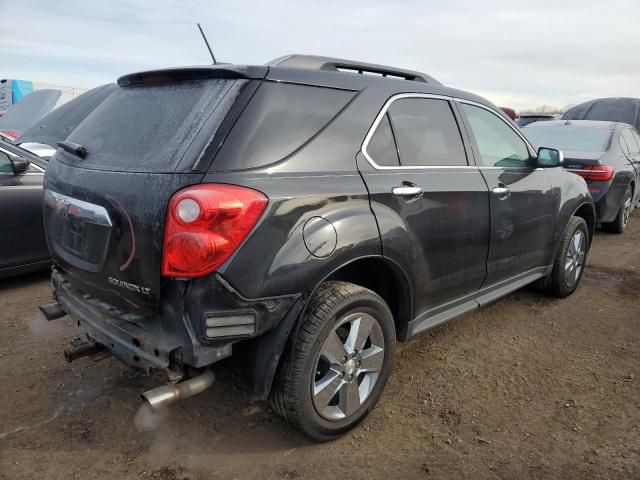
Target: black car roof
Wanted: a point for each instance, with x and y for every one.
(618, 109)
(315, 70)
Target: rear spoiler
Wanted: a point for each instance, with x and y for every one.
(169, 75)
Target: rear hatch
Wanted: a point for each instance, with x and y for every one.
(105, 210)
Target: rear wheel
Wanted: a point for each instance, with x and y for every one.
(622, 219)
(338, 363)
(570, 260)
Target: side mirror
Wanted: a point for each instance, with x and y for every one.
(20, 165)
(549, 157)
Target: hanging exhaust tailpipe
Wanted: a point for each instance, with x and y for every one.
(162, 397)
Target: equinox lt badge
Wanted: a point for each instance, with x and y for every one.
(129, 286)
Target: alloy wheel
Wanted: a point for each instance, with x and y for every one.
(574, 261)
(626, 212)
(348, 366)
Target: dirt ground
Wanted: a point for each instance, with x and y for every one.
(530, 387)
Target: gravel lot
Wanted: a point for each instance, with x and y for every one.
(530, 387)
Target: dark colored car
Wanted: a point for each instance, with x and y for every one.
(23, 247)
(527, 118)
(615, 109)
(303, 216)
(606, 155)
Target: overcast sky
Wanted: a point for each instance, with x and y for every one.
(516, 53)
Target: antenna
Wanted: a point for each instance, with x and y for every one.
(204, 37)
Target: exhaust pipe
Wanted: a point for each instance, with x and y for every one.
(161, 397)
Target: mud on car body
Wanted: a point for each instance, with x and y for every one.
(304, 215)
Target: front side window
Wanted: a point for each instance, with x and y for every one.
(426, 132)
(382, 146)
(498, 144)
(5, 163)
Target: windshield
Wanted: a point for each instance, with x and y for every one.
(580, 139)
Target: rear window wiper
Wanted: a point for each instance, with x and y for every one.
(73, 148)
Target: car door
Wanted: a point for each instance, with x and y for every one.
(522, 201)
(22, 239)
(430, 203)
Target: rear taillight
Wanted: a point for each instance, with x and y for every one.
(598, 173)
(205, 224)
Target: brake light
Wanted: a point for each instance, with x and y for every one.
(205, 224)
(598, 173)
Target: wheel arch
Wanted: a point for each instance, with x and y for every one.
(378, 273)
(587, 212)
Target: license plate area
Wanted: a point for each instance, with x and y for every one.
(77, 231)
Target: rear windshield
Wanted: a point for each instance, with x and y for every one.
(148, 128)
(579, 139)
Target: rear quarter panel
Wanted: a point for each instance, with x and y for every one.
(275, 259)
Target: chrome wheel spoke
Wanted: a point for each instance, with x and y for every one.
(360, 330)
(326, 388)
(575, 257)
(333, 349)
(568, 263)
(372, 359)
(577, 240)
(349, 398)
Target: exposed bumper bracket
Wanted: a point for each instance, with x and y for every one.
(52, 311)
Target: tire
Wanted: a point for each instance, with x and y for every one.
(563, 280)
(336, 309)
(621, 220)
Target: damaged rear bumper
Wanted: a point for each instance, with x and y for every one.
(165, 343)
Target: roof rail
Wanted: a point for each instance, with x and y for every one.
(314, 62)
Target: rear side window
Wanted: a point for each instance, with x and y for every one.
(279, 120)
(382, 146)
(148, 128)
(426, 132)
(629, 139)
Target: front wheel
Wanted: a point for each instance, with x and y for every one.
(570, 260)
(338, 363)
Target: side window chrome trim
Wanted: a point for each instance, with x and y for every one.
(480, 105)
(377, 121)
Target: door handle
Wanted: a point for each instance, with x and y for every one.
(406, 191)
(502, 192)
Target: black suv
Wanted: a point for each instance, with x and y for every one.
(304, 215)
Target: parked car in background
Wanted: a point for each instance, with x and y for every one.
(42, 137)
(303, 215)
(28, 111)
(511, 113)
(527, 118)
(616, 109)
(23, 247)
(606, 155)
